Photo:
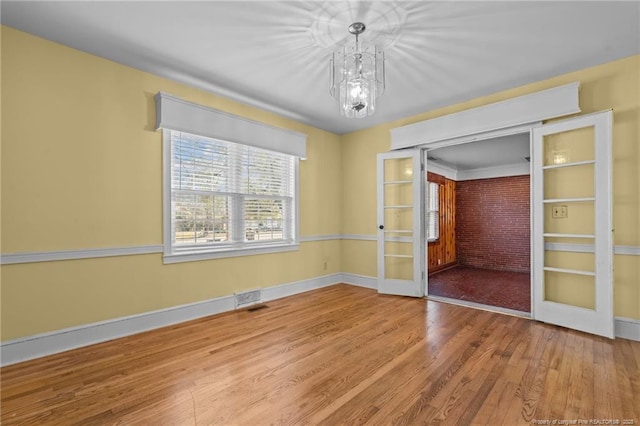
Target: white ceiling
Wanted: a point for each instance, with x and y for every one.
(505, 150)
(274, 54)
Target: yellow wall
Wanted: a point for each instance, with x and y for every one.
(614, 85)
(81, 168)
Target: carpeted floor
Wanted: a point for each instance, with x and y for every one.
(511, 290)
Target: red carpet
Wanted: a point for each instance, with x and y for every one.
(511, 290)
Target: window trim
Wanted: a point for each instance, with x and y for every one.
(172, 256)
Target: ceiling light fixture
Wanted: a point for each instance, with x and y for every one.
(357, 76)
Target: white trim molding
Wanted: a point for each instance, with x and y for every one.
(359, 237)
(518, 169)
(360, 280)
(440, 169)
(313, 238)
(39, 345)
(627, 250)
(207, 255)
(49, 256)
(627, 328)
(534, 107)
(296, 287)
(476, 137)
(575, 248)
(588, 248)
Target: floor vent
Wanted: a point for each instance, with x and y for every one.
(248, 298)
(256, 308)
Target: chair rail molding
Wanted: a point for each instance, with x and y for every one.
(50, 256)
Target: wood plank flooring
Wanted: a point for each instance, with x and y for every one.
(338, 355)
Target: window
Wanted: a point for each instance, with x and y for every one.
(230, 184)
(433, 216)
(228, 198)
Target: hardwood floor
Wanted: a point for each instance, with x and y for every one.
(337, 355)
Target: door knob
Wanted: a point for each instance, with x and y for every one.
(381, 226)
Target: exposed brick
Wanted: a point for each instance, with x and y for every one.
(493, 223)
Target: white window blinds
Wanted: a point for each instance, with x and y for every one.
(433, 217)
(230, 183)
(228, 196)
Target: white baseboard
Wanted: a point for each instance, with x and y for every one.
(627, 328)
(360, 280)
(39, 345)
(284, 290)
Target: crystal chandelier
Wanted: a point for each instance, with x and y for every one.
(357, 76)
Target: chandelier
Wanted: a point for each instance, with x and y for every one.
(357, 76)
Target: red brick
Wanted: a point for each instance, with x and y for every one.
(493, 223)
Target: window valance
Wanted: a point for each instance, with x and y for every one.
(177, 114)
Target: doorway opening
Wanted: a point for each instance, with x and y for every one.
(478, 223)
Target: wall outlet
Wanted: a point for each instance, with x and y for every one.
(559, 212)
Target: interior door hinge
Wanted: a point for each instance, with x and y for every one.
(422, 167)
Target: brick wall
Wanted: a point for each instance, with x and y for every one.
(493, 223)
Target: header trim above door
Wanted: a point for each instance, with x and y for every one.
(523, 110)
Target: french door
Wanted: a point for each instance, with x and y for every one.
(401, 180)
(572, 223)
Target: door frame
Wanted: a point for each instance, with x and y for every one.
(477, 137)
(604, 232)
(514, 115)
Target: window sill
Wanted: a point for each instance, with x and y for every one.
(196, 255)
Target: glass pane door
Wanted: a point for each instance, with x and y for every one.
(399, 223)
(572, 224)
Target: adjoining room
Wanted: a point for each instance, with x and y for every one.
(478, 231)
